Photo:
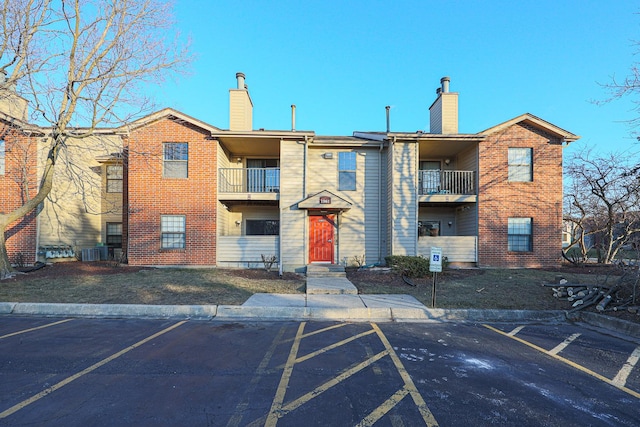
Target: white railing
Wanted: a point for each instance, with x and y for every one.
(249, 180)
(446, 182)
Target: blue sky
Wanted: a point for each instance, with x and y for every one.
(342, 62)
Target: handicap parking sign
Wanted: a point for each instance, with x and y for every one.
(435, 263)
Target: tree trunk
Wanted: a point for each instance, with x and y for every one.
(5, 265)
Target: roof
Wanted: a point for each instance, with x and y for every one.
(565, 135)
(165, 113)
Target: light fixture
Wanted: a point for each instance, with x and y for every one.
(328, 155)
(447, 161)
(450, 223)
(238, 222)
(239, 159)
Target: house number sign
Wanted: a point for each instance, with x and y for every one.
(325, 200)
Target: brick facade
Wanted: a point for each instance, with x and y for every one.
(500, 199)
(148, 195)
(20, 167)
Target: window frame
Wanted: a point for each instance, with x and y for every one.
(519, 239)
(516, 167)
(175, 157)
(119, 188)
(347, 167)
(267, 230)
(107, 235)
(173, 232)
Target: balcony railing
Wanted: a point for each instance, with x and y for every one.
(446, 182)
(249, 180)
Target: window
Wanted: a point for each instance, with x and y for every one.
(263, 227)
(347, 171)
(176, 156)
(173, 230)
(2, 150)
(520, 234)
(114, 178)
(520, 164)
(114, 234)
(428, 228)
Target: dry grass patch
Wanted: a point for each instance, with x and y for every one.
(124, 285)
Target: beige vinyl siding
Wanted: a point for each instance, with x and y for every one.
(292, 219)
(404, 216)
(73, 214)
(466, 220)
(460, 249)
(359, 230)
(222, 214)
(245, 251)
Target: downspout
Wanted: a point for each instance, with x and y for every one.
(380, 202)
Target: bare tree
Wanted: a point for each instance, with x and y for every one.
(627, 86)
(602, 201)
(81, 64)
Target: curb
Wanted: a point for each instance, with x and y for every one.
(605, 322)
(113, 310)
(347, 314)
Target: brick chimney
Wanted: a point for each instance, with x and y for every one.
(444, 110)
(240, 106)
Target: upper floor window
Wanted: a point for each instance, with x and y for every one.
(176, 157)
(521, 164)
(173, 230)
(114, 178)
(520, 234)
(2, 151)
(347, 171)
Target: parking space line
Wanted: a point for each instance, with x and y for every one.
(332, 346)
(427, 416)
(567, 361)
(557, 349)
(24, 331)
(515, 331)
(80, 374)
(276, 405)
(623, 374)
(383, 409)
(241, 407)
(331, 383)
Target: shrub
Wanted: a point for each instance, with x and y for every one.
(411, 266)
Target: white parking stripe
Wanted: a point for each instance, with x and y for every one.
(563, 344)
(621, 378)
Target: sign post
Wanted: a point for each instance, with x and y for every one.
(435, 266)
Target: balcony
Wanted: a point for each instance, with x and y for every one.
(450, 186)
(249, 183)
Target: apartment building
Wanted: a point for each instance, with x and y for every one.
(196, 194)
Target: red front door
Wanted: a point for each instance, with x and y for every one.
(321, 238)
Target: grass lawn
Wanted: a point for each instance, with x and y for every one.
(104, 283)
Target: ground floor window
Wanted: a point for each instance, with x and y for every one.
(520, 234)
(261, 227)
(428, 228)
(114, 234)
(173, 231)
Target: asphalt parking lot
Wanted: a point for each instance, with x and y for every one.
(210, 373)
